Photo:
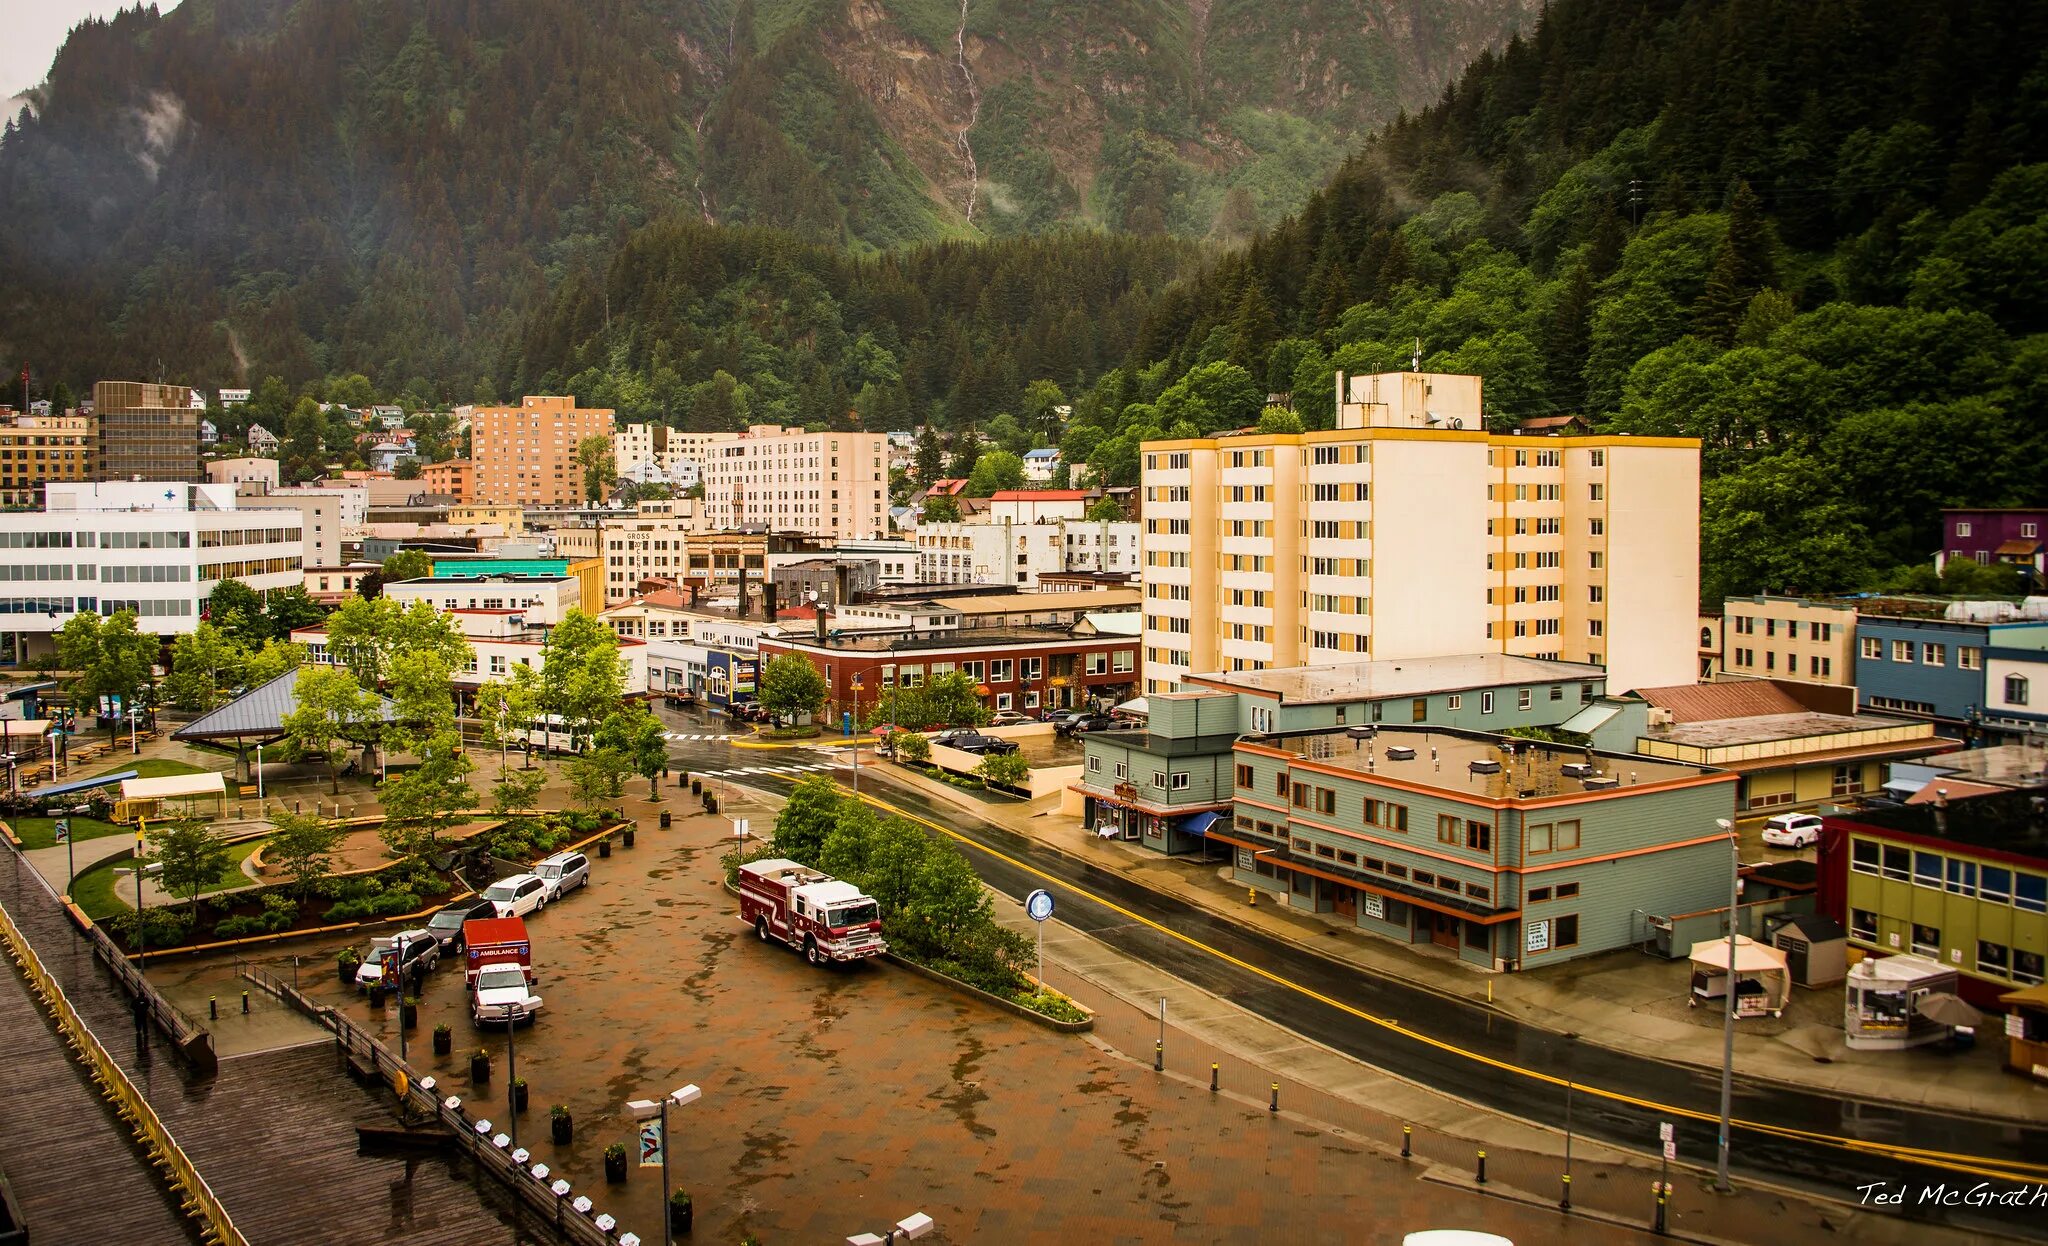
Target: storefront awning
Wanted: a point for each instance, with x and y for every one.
(1198, 824)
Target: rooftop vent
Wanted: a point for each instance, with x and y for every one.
(1577, 770)
(1361, 733)
(1601, 783)
(1400, 752)
(1485, 767)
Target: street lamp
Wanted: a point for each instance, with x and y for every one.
(911, 1227)
(1728, 1019)
(856, 734)
(644, 1109)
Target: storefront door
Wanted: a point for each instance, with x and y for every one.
(1345, 904)
(1444, 930)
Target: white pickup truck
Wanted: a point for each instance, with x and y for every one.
(502, 995)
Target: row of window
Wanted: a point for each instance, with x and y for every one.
(1816, 666)
(1968, 657)
(1995, 884)
(1745, 625)
(1996, 960)
(1372, 865)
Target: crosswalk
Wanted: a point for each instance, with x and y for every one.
(744, 771)
(686, 735)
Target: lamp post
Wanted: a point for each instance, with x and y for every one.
(856, 734)
(259, 774)
(1728, 1019)
(642, 1110)
(511, 1070)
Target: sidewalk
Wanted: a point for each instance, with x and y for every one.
(1624, 1000)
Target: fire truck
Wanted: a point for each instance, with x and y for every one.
(830, 920)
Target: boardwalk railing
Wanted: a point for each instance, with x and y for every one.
(199, 1200)
(575, 1218)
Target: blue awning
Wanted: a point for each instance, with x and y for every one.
(78, 785)
(1197, 824)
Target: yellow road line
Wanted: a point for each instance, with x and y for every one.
(1977, 1165)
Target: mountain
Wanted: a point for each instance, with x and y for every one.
(250, 187)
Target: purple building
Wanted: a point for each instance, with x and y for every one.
(2011, 535)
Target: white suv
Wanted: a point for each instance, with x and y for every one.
(518, 895)
(1792, 830)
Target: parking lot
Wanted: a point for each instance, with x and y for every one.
(841, 1101)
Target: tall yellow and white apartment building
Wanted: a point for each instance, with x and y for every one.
(1409, 531)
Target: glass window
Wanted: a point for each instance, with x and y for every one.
(1927, 941)
(2030, 892)
(2026, 967)
(1927, 870)
(1863, 925)
(1993, 958)
(1567, 836)
(1994, 883)
(1896, 862)
(1567, 931)
(1863, 856)
(1539, 837)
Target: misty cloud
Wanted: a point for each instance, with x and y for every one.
(159, 125)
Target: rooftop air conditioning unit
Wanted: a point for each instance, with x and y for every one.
(1601, 783)
(1577, 770)
(1485, 767)
(1400, 752)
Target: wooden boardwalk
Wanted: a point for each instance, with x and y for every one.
(273, 1133)
(74, 1166)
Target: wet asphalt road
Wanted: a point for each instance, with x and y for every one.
(1810, 1162)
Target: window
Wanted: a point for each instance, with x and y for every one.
(1927, 941)
(2030, 530)
(1540, 836)
(1418, 711)
(1326, 801)
(1969, 657)
(1479, 836)
(1448, 828)
(1927, 870)
(1095, 765)
(1863, 925)
(1962, 877)
(1301, 796)
(1123, 770)
(1538, 895)
(1873, 648)
(1280, 784)
(1523, 699)
(1159, 779)
(1566, 891)
(1566, 931)
(1454, 702)
(1862, 855)
(2015, 689)
(1486, 703)
(1963, 529)
(1934, 655)
(1994, 883)
(1847, 779)
(1902, 651)
(2026, 968)
(1994, 958)
(1567, 835)
(1180, 781)
(2030, 892)
(1244, 776)
(1897, 863)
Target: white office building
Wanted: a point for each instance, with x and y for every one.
(157, 548)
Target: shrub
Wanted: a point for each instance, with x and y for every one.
(349, 911)
(153, 927)
(912, 747)
(394, 903)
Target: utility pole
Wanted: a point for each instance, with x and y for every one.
(1728, 1019)
(1635, 199)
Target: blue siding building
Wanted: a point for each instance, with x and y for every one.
(1942, 669)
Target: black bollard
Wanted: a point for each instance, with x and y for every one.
(245, 1003)
(212, 1008)
(1276, 1098)
(1158, 1055)
(1482, 1168)
(664, 819)
(1212, 1079)
(1407, 1142)
(1565, 1203)
(1657, 1226)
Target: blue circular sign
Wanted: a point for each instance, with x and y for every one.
(1038, 905)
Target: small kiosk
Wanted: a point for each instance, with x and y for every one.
(2026, 1032)
(1761, 981)
(1881, 1004)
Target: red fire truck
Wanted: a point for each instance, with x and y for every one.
(830, 920)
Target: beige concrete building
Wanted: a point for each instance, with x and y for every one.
(1789, 638)
(510, 520)
(262, 473)
(787, 480)
(653, 542)
(146, 431)
(526, 455)
(1410, 531)
(319, 513)
(37, 449)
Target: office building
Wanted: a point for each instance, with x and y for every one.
(157, 549)
(787, 480)
(1789, 638)
(542, 600)
(454, 479)
(319, 519)
(146, 431)
(1409, 531)
(526, 455)
(38, 449)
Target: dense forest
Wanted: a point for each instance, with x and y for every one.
(243, 188)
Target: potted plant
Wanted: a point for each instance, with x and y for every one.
(377, 994)
(409, 1011)
(444, 1039)
(604, 846)
(518, 1094)
(480, 1067)
(679, 1212)
(628, 831)
(615, 1163)
(348, 960)
(561, 1124)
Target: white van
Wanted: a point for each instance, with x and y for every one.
(563, 873)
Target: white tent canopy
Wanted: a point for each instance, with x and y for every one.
(1750, 956)
(175, 786)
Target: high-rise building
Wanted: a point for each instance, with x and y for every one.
(38, 449)
(788, 480)
(526, 455)
(1410, 531)
(146, 431)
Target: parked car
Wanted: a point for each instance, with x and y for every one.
(1085, 723)
(393, 960)
(680, 700)
(1061, 718)
(1792, 830)
(950, 734)
(563, 873)
(446, 925)
(1011, 718)
(518, 895)
(983, 745)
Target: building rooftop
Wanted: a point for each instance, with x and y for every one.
(480, 579)
(1037, 603)
(2004, 765)
(1367, 681)
(1508, 768)
(1769, 728)
(1039, 495)
(2012, 822)
(966, 642)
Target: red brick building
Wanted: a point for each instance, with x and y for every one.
(1033, 670)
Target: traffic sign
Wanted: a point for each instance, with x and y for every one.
(1671, 1150)
(1666, 1131)
(1038, 905)
(739, 828)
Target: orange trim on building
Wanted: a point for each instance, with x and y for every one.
(1361, 885)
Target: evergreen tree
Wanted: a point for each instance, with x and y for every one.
(1743, 265)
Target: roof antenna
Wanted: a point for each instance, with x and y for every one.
(1415, 360)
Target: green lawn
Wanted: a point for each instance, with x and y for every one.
(42, 832)
(153, 768)
(102, 893)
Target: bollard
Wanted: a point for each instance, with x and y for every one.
(212, 1008)
(1407, 1142)
(1482, 1168)
(1212, 1079)
(1276, 1098)
(1158, 1055)
(1251, 896)
(245, 1003)
(1565, 1203)
(1657, 1226)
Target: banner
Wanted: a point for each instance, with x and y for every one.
(650, 1144)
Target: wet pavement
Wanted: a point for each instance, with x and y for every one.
(841, 1101)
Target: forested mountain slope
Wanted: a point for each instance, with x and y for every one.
(248, 187)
